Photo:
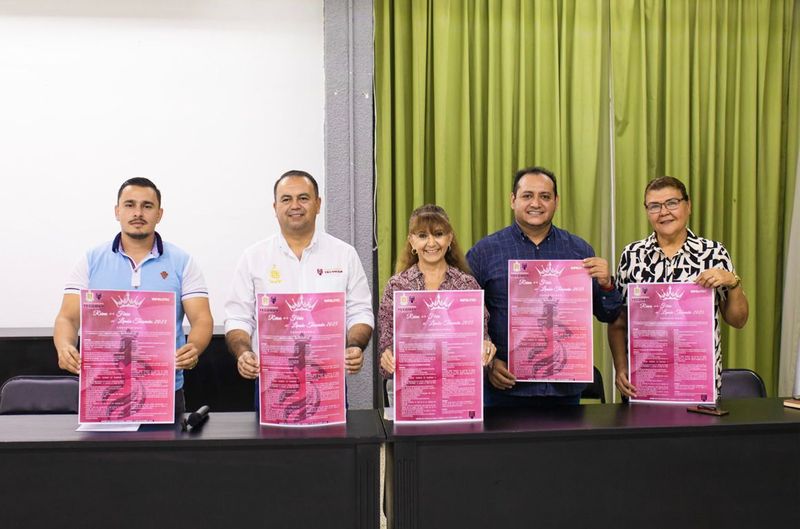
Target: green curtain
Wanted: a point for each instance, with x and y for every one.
(467, 91)
(702, 91)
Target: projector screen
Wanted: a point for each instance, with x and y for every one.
(210, 100)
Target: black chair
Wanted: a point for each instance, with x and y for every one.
(742, 384)
(595, 390)
(39, 394)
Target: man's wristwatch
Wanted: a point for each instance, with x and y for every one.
(355, 345)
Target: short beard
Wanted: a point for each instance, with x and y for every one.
(138, 236)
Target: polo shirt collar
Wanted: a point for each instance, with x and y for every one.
(158, 245)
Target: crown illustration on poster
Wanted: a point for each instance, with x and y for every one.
(550, 270)
(301, 305)
(127, 301)
(439, 303)
(670, 295)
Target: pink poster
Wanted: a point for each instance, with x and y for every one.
(127, 357)
(301, 342)
(438, 341)
(550, 321)
(671, 342)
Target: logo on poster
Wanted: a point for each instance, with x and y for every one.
(439, 303)
(301, 305)
(550, 270)
(127, 301)
(670, 295)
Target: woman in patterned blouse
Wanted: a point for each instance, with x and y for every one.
(432, 260)
(673, 253)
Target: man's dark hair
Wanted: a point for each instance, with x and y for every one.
(665, 181)
(139, 182)
(535, 170)
(295, 173)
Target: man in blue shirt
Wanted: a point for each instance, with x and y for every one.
(138, 258)
(532, 236)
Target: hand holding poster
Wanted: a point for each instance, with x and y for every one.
(127, 357)
(550, 321)
(301, 342)
(671, 342)
(438, 340)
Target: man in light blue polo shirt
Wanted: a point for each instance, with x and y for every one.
(138, 258)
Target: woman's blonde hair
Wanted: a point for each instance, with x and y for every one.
(431, 217)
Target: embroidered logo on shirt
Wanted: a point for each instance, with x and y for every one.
(275, 275)
(321, 271)
(164, 274)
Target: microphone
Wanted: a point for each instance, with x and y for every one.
(198, 418)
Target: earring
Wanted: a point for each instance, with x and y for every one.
(413, 250)
(448, 247)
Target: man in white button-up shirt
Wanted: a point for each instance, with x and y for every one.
(298, 259)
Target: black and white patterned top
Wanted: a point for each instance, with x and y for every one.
(644, 262)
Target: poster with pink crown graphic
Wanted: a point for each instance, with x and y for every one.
(127, 357)
(438, 340)
(301, 344)
(550, 321)
(671, 342)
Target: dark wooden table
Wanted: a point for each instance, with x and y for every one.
(231, 473)
(602, 466)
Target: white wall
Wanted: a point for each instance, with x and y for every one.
(211, 100)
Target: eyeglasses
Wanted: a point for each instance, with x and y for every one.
(671, 204)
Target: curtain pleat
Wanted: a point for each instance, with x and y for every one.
(468, 91)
